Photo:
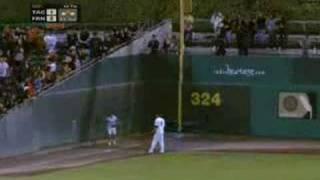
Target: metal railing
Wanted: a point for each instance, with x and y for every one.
(302, 23)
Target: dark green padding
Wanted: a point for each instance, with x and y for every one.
(272, 76)
(248, 89)
(236, 95)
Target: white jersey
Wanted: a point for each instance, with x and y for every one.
(158, 137)
(159, 124)
(112, 121)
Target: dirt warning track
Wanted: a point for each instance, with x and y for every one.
(78, 156)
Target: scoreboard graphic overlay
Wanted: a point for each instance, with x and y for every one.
(68, 13)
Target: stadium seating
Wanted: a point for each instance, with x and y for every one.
(35, 58)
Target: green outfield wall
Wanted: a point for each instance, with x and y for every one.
(263, 78)
(228, 95)
(221, 95)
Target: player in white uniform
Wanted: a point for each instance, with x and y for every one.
(158, 137)
(111, 129)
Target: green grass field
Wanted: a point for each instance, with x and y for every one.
(221, 166)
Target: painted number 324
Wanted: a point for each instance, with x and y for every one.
(206, 99)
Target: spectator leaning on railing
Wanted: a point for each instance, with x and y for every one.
(217, 22)
(170, 45)
(154, 45)
(96, 46)
(188, 28)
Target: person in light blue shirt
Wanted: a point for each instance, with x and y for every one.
(111, 129)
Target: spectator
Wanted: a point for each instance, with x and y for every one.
(227, 32)
(216, 22)
(243, 39)
(4, 69)
(122, 36)
(305, 46)
(23, 71)
(188, 33)
(30, 88)
(72, 51)
(126, 34)
(261, 23)
(188, 28)
(51, 42)
(2, 109)
(35, 38)
(272, 29)
(154, 44)
(52, 69)
(170, 45)
(18, 68)
(19, 92)
(84, 54)
(19, 56)
(174, 47)
(261, 39)
(72, 39)
(68, 65)
(118, 37)
(107, 44)
(84, 38)
(166, 45)
(77, 63)
(95, 44)
(133, 27)
(38, 84)
(130, 33)
(220, 45)
(52, 65)
(113, 37)
(66, 69)
(7, 103)
(282, 33)
(252, 32)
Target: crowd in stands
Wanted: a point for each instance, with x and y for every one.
(34, 58)
(169, 45)
(261, 31)
(243, 32)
